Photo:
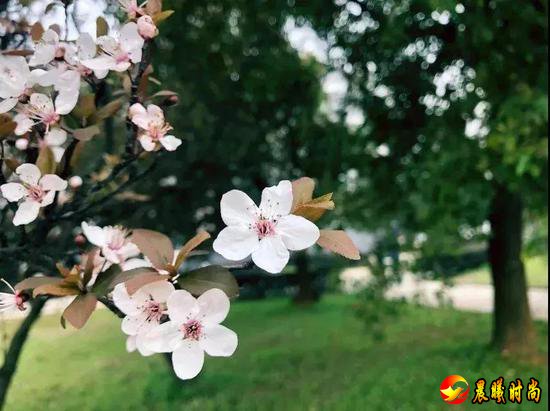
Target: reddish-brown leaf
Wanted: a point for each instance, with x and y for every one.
(87, 133)
(153, 7)
(189, 246)
(314, 209)
(302, 191)
(33, 282)
(79, 311)
(135, 283)
(36, 32)
(338, 242)
(155, 246)
(7, 125)
(60, 288)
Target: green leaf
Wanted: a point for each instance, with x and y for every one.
(214, 276)
(102, 28)
(46, 161)
(103, 284)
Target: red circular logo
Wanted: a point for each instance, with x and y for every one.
(454, 389)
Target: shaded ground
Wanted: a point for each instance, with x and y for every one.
(289, 358)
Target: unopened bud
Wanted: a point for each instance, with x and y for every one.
(22, 144)
(146, 27)
(75, 182)
(80, 240)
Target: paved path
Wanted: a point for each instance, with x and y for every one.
(467, 297)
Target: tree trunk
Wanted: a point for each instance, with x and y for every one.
(307, 292)
(16, 345)
(512, 328)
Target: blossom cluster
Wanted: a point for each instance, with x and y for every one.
(137, 273)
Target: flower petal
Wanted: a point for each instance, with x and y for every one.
(170, 142)
(7, 104)
(136, 109)
(163, 338)
(159, 290)
(141, 347)
(24, 124)
(236, 243)
(53, 182)
(272, 255)
(147, 142)
(188, 360)
(182, 306)
(47, 199)
(133, 324)
(94, 234)
(277, 200)
(26, 213)
(13, 191)
(28, 173)
(55, 137)
(297, 232)
(237, 208)
(124, 301)
(219, 341)
(214, 306)
(42, 103)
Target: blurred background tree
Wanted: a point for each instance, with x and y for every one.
(454, 141)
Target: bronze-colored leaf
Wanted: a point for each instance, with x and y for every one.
(36, 32)
(89, 266)
(79, 311)
(338, 242)
(144, 81)
(189, 246)
(163, 15)
(134, 284)
(33, 282)
(64, 271)
(122, 277)
(164, 93)
(7, 125)
(46, 160)
(101, 27)
(56, 28)
(108, 110)
(153, 7)
(12, 164)
(314, 209)
(155, 246)
(85, 106)
(302, 191)
(104, 281)
(59, 289)
(87, 133)
(24, 53)
(203, 279)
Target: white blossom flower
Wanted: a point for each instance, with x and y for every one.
(10, 301)
(34, 190)
(15, 81)
(144, 310)
(147, 28)
(65, 81)
(75, 182)
(113, 242)
(22, 143)
(117, 54)
(48, 48)
(41, 109)
(153, 128)
(85, 48)
(194, 328)
(131, 8)
(267, 232)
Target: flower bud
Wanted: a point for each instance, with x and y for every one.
(146, 27)
(22, 144)
(80, 240)
(75, 182)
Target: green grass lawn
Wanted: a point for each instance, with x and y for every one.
(289, 358)
(536, 269)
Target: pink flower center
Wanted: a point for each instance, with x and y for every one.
(20, 302)
(192, 329)
(265, 228)
(117, 240)
(36, 193)
(122, 58)
(50, 118)
(153, 310)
